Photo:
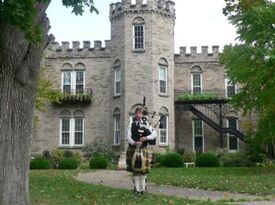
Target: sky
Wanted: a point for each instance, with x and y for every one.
(198, 23)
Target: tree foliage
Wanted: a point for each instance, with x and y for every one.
(21, 13)
(252, 62)
(45, 92)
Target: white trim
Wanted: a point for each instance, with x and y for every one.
(143, 28)
(73, 80)
(115, 88)
(71, 133)
(228, 135)
(114, 133)
(229, 84)
(192, 86)
(167, 133)
(193, 135)
(166, 79)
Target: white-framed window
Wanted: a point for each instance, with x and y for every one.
(163, 130)
(198, 136)
(196, 83)
(232, 140)
(163, 79)
(71, 132)
(117, 139)
(138, 34)
(73, 81)
(138, 37)
(117, 80)
(230, 88)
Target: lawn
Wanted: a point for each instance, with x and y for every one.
(256, 180)
(55, 187)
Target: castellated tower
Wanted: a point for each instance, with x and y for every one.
(142, 56)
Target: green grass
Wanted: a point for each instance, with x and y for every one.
(256, 180)
(56, 187)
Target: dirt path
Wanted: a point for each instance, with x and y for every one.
(123, 180)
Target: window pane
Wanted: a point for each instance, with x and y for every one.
(117, 87)
(65, 138)
(230, 91)
(197, 127)
(78, 137)
(79, 125)
(163, 136)
(197, 80)
(65, 125)
(117, 74)
(67, 78)
(196, 90)
(139, 37)
(163, 122)
(162, 73)
(117, 129)
(198, 144)
(232, 123)
(163, 86)
(67, 89)
(233, 143)
(79, 89)
(79, 77)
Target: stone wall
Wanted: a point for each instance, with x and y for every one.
(96, 61)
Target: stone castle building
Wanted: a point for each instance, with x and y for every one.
(102, 86)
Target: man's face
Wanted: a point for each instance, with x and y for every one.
(139, 115)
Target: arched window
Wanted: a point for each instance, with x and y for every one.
(163, 76)
(196, 80)
(138, 33)
(72, 128)
(67, 71)
(117, 77)
(117, 139)
(73, 79)
(163, 128)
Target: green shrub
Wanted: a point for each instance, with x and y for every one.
(171, 159)
(159, 157)
(237, 159)
(102, 148)
(68, 163)
(40, 163)
(207, 160)
(58, 155)
(98, 162)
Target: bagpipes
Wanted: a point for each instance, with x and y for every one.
(149, 118)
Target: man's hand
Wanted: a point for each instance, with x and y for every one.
(142, 139)
(138, 143)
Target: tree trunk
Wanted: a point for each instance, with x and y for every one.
(19, 68)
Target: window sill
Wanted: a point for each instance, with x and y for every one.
(70, 147)
(117, 96)
(163, 95)
(163, 145)
(138, 50)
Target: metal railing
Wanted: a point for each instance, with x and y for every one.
(76, 95)
(207, 94)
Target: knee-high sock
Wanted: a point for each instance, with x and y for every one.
(137, 183)
(142, 181)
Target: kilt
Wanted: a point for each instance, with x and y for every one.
(129, 157)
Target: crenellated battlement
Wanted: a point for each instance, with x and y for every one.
(204, 55)
(66, 49)
(163, 7)
(75, 46)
